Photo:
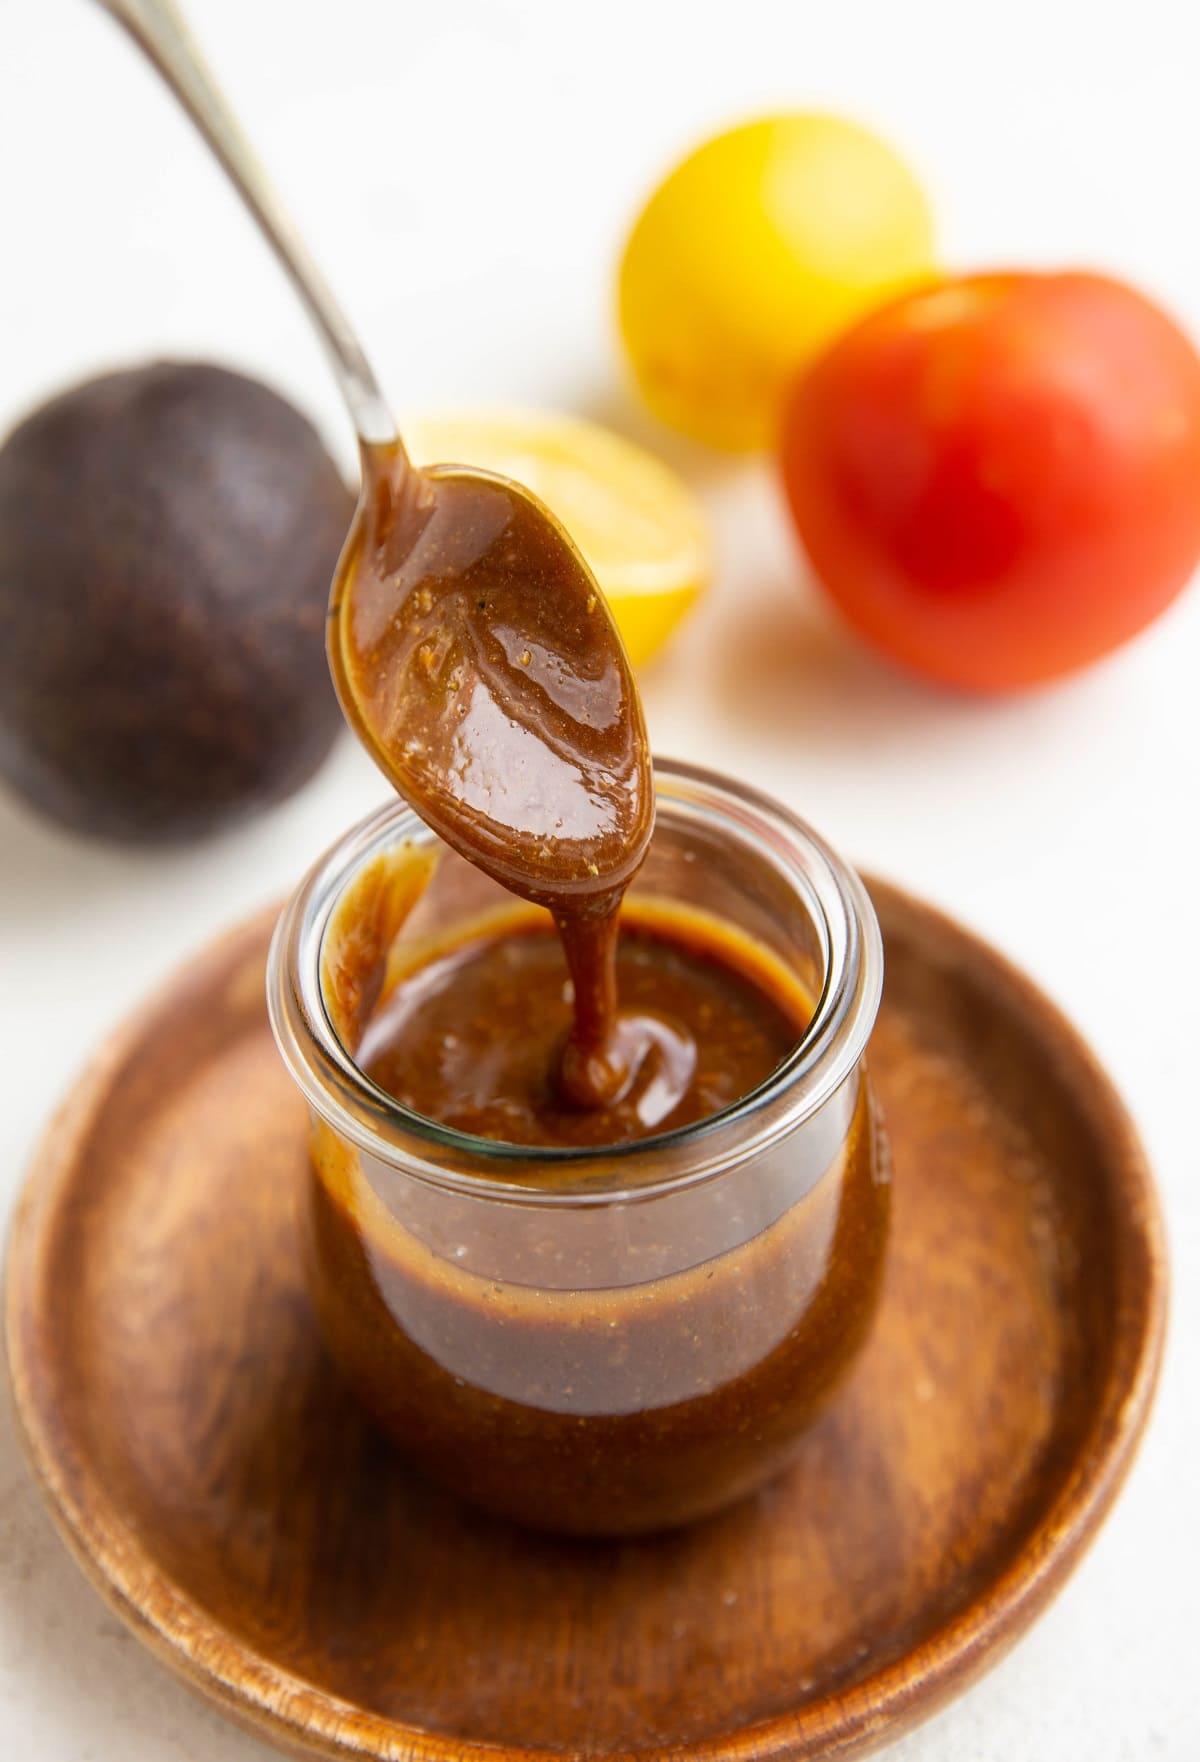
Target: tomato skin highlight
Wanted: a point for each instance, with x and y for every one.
(997, 479)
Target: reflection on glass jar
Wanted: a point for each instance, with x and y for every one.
(615, 1340)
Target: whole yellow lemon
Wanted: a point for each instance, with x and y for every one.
(751, 255)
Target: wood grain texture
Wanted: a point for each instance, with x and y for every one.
(221, 1489)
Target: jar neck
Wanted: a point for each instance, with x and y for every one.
(770, 864)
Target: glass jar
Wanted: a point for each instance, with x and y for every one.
(616, 1341)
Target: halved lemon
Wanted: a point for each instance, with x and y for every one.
(638, 525)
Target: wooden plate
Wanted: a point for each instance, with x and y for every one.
(222, 1491)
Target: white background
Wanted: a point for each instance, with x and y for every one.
(466, 169)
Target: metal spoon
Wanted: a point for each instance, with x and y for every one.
(471, 647)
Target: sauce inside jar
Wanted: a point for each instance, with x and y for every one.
(472, 1037)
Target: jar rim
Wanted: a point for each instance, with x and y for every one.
(822, 1060)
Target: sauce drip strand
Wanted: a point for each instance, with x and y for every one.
(478, 662)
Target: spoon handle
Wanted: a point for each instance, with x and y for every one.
(158, 28)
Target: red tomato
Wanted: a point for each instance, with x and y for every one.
(998, 478)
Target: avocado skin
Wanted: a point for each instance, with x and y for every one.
(168, 535)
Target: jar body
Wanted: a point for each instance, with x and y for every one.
(602, 1409)
(630, 1342)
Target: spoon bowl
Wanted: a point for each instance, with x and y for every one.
(480, 665)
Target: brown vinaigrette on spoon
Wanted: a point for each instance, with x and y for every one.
(478, 662)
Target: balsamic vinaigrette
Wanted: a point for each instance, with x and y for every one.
(477, 659)
(598, 1368)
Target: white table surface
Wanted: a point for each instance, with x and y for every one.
(468, 168)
